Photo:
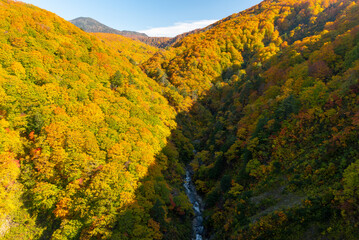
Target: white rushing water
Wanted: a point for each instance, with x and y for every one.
(196, 200)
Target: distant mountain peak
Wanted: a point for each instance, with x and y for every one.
(91, 25)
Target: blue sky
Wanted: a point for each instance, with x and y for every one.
(154, 17)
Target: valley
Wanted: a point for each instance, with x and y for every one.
(245, 129)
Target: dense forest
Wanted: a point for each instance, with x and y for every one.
(96, 130)
(83, 137)
(274, 119)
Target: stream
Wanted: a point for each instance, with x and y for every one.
(196, 200)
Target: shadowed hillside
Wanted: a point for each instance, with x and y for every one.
(274, 119)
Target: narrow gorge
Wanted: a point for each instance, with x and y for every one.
(245, 129)
(197, 202)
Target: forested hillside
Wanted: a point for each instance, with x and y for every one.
(274, 120)
(136, 51)
(82, 128)
(96, 129)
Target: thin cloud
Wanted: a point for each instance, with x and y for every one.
(177, 28)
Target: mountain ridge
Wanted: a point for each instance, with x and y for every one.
(91, 25)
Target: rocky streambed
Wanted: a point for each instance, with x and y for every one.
(196, 200)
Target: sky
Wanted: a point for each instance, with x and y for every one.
(156, 18)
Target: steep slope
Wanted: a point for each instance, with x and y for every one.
(274, 118)
(83, 137)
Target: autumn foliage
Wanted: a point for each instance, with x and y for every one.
(95, 129)
(274, 119)
(81, 129)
